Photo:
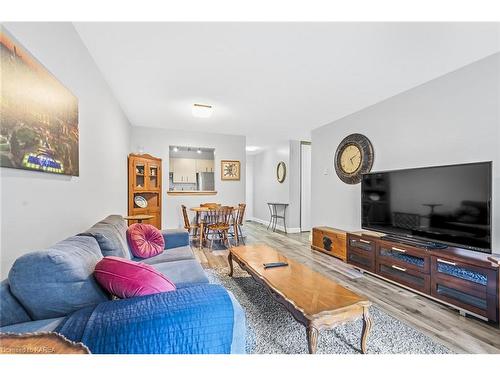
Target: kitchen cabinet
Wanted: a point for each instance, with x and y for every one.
(204, 165)
(184, 170)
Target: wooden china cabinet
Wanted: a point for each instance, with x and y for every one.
(144, 187)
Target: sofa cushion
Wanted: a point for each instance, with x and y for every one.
(46, 325)
(175, 238)
(170, 255)
(126, 279)
(54, 282)
(11, 311)
(183, 272)
(111, 234)
(145, 240)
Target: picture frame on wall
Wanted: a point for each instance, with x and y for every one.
(39, 121)
(230, 170)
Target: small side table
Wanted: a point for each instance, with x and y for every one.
(274, 211)
(139, 218)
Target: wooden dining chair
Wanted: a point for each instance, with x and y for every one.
(191, 227)
(222, 217)
(238, 221)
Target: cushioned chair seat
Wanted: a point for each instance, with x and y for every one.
(175, 238)
(46, 325)
(183, 272)
(170, 255)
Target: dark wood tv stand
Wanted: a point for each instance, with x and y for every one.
(464, 279)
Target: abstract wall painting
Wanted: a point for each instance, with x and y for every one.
(38, 115)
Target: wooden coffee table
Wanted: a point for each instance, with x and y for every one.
(313, 300)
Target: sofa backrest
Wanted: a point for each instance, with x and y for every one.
(11, 311)
(111, 234)
(54, 282)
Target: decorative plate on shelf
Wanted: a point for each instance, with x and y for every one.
(140, 201)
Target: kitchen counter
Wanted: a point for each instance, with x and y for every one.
(191, 192)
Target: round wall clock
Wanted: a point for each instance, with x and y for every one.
(281, 172)
(354, 156)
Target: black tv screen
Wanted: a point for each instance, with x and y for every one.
(446, 204)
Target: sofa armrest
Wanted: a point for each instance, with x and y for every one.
(175, 238)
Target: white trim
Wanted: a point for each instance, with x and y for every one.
(279, 227)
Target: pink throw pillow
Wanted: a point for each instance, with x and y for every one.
(126, 279)
(145, 240)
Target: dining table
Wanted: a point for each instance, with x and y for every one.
(200, 211)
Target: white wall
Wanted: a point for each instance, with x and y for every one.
(305, 187)
(249, 187)
(39, 209)
(268, 189)
(156, 142)
(452, 119)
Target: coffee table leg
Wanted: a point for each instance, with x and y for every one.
(230, 261)
(367, 326)
(312, 339)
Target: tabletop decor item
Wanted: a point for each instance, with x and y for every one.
(354, 156)
(39, 114)
(281, 172)
(230, 170)
(140, 201)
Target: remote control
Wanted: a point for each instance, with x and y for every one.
(275, 264)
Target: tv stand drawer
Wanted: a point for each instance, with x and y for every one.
(403, 275)
(405, 256)
(361, 259)
(360, 243)
(470, 287)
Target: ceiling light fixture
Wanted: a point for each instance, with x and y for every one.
(176, 149)
(202, 110)
(198, 151)
(252, 148)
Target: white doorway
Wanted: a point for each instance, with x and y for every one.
(305, 186)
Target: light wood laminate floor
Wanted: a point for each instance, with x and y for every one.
(443, 323)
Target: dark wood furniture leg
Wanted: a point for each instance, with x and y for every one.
(312, 339)
(230, 261)
(202, 232)
(235, 229)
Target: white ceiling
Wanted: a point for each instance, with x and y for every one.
(273, 81)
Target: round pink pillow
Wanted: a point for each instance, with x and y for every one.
(126, 279)
(145, 240)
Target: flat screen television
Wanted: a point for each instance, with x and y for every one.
(448, 205)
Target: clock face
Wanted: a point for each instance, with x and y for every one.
(354, 156)
(350, 159)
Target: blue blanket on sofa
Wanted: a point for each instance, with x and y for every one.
(197, 319)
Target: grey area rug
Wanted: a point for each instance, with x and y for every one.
(271, 329)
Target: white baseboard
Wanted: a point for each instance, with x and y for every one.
(279, 227)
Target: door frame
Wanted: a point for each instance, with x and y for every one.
(302, 143)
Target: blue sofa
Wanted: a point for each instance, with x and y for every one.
(53, 290)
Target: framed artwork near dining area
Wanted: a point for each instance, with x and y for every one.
(230, 170)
